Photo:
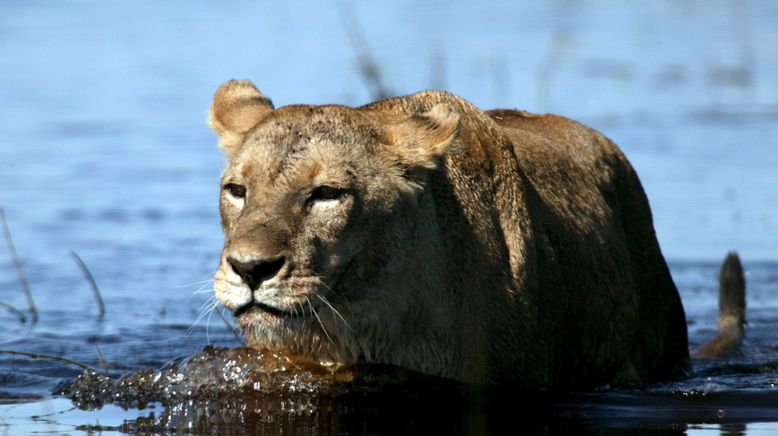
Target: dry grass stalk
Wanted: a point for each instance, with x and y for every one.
(19, 269)
(368, 67)
(47, 356)
(102, 359)
(15, 311)
(91, 281)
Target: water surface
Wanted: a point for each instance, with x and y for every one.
(104, 150)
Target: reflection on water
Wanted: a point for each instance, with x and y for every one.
(104, 150)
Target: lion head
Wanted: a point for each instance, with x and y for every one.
(322, 209)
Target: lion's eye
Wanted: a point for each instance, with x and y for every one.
(236, 190)
(325, 192)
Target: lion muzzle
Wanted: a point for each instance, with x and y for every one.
(254, 272)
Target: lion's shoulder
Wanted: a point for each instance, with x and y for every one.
(405, 105)
(556, 128)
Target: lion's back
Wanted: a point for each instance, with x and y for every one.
(595, 228)
(568, 246)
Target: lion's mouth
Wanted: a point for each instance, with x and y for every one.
(256, 307)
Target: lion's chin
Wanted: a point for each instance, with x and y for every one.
(289, 333)
(260, 321)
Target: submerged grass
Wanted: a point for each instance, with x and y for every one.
(26, 284)
(19, 314)
(47, 356)
(102, 359)
(19, 268)
(91, 281)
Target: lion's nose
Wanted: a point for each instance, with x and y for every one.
(256, 271)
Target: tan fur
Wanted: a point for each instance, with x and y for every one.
(732, 311)
(237, 107)
(489, 247)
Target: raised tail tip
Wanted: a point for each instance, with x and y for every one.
(732, 291)
(732, 310)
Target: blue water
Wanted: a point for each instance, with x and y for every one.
(104, 150)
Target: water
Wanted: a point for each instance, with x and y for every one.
(104, 150)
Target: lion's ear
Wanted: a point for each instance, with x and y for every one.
(237, 107)
(425, 136)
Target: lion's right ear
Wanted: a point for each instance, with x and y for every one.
(424, 137)
(237, 107)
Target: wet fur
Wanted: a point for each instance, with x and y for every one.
(492, 247)
(732, 311)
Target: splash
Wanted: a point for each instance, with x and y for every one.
(241, 372)
(236, 389)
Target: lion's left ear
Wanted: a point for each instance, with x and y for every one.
(237, 107)
(422, 138)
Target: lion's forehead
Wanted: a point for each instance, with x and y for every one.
(268, 161)
(293, 128)
(316, 141)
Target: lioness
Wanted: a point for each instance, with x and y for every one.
(489, 247)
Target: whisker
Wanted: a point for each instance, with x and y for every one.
(211, 300)
(199, 282)
(208, 325)
(317, 317)
(206, 278)
(335, 311)
(203, 289)
(205, 309)
(201, 315)
(211, 305)
(229, 325)
(203, 286)
(325, 301)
